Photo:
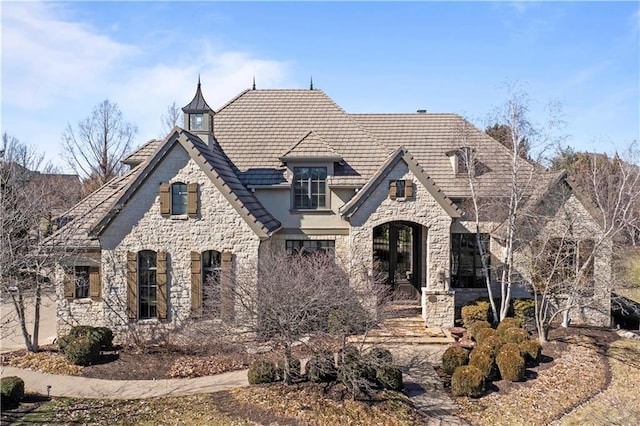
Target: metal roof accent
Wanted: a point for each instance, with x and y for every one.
(197, 105)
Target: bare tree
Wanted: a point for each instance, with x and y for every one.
(25, 211)
(171, 118)
(101, 140)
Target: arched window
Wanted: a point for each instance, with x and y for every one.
(211, 270)
(147, 284)
(178, 198)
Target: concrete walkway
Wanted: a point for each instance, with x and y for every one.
(83, 387)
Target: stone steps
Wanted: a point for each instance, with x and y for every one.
(405, 330)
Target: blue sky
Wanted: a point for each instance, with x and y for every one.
(59, 60)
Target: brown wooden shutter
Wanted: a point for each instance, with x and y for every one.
(192, 199)
(408, 188)
(132, 285)
(69, 283)
(161, 280)
(165, 199)
(226, 285)
(196, 284)
(95, 285)
(392, 190)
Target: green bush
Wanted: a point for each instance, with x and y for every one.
(261, 371)
(380, 356)
(515, 335)
(321, 368)
(12, 388)
(511, 365)
(493, 344)
(485, 363)
(294, 369)
(103, 335)
(530, 350)
(64, 341)
(506, 324)
(454, 357)
(82, 350)
(389, 377)
(475, 311)
(476, 326)
(467, 380)
(483, 333)
(524, 310)
(481, 350)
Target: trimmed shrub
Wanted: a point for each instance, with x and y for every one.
(454, 357)
(322, 369)
(530, 350)
(485, 363)
(510, 347)
(12, 388)
(380, 356)
(493, 344)
(506, 324)
(294, 369)
(511, 365)
(483, 333)
(103, 335)
(515, 335)
(524, 310)
(476, 326)
(82, 350)
(64, 341)
(389, 377)
(481, 350)
(261, 371)
(467, 380)
(475, 311)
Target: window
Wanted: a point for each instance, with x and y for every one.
(211, 269)
(466, 264)
(309, 187)
(82, 282)
(196, 121)
(400, 189)
(147, 284)
(310, 246)
(178, 198)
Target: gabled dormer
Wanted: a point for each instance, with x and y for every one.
(198, 116)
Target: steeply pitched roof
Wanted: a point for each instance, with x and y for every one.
(379, 177)
(215, 165)
(311, 148)
(197, 104)
(142, 153)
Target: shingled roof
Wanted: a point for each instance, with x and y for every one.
(142, 153)
(311, 148)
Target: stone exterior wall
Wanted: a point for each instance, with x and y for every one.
(422, 209)
(140, 226)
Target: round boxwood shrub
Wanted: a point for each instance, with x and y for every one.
(530, 350)
(389, 377)
(515, 335)
(454, 357)
(321, 369)
(524, 310)
(477, 326)
(82, 350)
(485, 363)
(493, 343)
(261, 371)
(506, 324)
(12, 389)
(467, 380)
(481, 350)
(475, 311)
(483, 333)
(511, 365)
(380, 356)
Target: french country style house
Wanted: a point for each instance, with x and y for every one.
(290, 169)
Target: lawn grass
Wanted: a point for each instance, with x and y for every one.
(619, 404)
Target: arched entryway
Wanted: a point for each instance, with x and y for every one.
(397, 248)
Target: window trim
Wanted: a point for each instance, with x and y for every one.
(322, 184)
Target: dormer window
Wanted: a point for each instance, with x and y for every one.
(309, 188)
(196, 121)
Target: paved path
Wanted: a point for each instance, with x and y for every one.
(83, 387)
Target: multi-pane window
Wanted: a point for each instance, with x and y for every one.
(178, 198)
(310, 246)
(147, 284)
(211, 269)
(466, 263)
(309, 187)
(196, 121)
(82, 282)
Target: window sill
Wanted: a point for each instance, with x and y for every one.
(83, 301)
(311, 211)
(179, 217)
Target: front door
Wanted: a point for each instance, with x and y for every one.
(396, 250)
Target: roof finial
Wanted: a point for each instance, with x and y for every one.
(254, 82)
(311, 85)
(198, 80)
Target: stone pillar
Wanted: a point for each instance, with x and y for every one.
(438, 308)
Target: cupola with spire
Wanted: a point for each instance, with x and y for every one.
(198, 116)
